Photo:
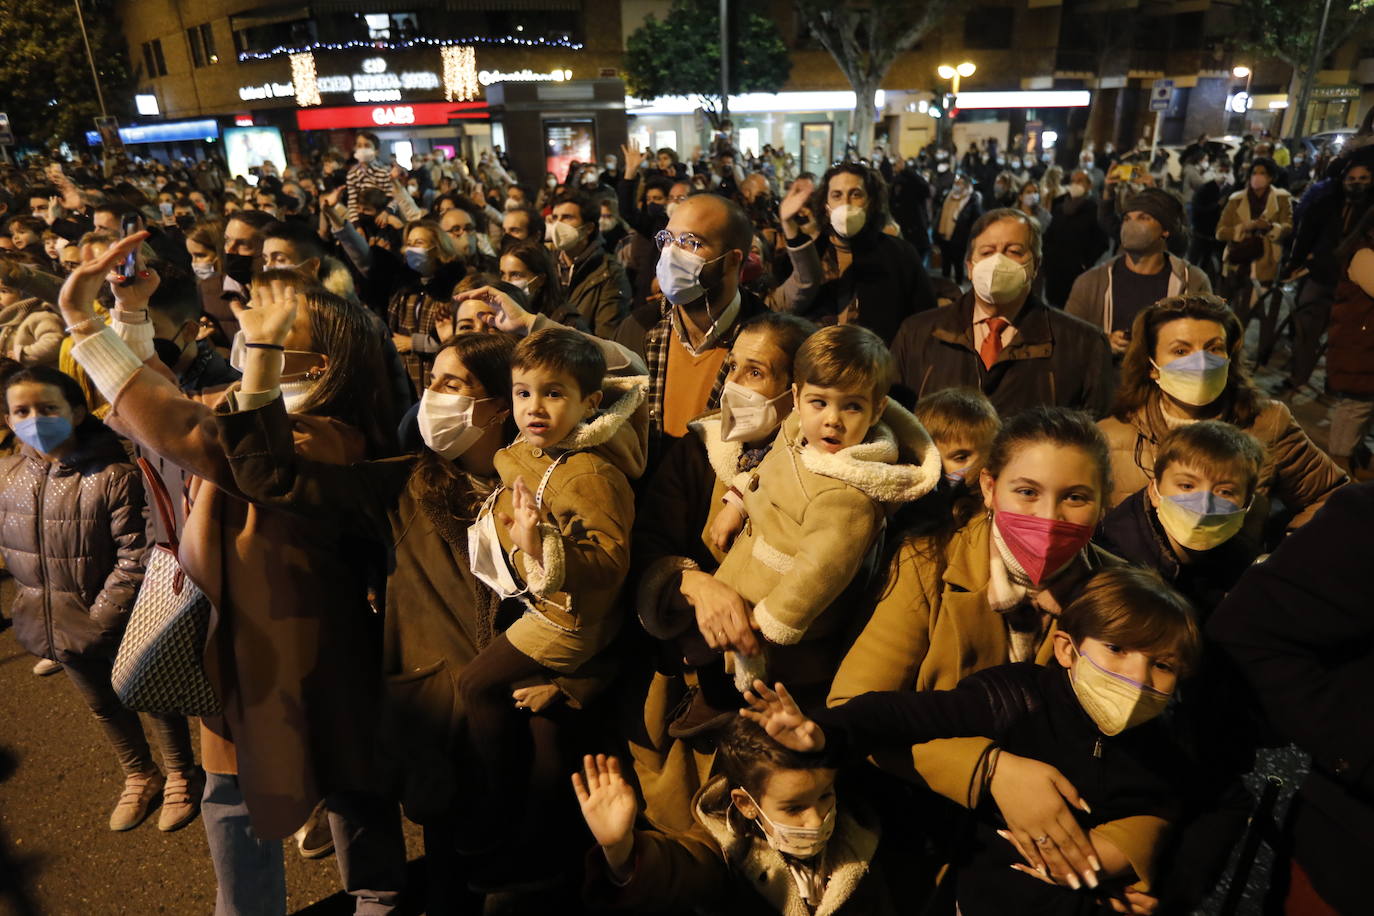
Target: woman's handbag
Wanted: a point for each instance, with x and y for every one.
(1246, 250)
(160, 667)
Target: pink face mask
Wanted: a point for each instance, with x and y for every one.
(1041, 545)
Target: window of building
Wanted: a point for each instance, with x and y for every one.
(207, 41)
(153, 61)
(988, 28)
(202, 42)
(197, 54)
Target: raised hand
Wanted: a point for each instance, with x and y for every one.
(608, 806)
(778, 714)
(633, 157)
(273, 315)
(77, 298)
(523, 522)
(797, 196)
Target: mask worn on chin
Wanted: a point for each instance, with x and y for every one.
(239, 268)
(204, 270)
(564, 237)
(446, 423)
(848, 220)
(747, 416)
(1196, 379)
(1199, 520)
(43, 434)
(999, 280)
(1113, 701)
(799, 842)
(1040, 546)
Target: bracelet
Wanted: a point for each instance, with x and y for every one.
(82, 324)
(265, 346)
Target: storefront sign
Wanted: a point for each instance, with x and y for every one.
(267, 91)
(416, 114)
(374, 84)
(487, 77)
(1336, 92)
(169, 132)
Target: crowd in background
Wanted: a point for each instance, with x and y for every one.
(909, 535)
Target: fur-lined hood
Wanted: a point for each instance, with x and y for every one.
(619, 430)
(848, 855)
(897, 463)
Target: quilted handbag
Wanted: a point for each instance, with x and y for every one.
(159, 667)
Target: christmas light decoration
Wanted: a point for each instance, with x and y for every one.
(382, 45)
(303, 79)
(460, 72)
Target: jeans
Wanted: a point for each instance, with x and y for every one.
(91, 678)
(368, 845)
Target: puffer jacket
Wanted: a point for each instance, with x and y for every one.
(73, 536)
(31, 333)
(583, 485)
(1295, 470)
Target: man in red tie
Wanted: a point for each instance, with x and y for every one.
(1003, 339)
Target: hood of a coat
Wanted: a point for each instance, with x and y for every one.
(619, 431)
(848, 854)
(897, 463)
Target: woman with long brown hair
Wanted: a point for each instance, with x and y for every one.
(1184, 363)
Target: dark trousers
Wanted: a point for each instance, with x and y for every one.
(1311, 316)
(91, 678)
(520, 752)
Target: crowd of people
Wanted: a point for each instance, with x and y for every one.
(910, 537)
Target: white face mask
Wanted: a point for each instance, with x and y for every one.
(607, 223)
(295, 394)
(746, 415)
(847, 220)
(671, 208)
(204, 270)
(564, 236)
(1030, 199)
(999, 280)
(446, 423)
(679, 274)
(800, 842)
(486, 558)
(365, 154)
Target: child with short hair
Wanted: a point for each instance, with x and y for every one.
(555, 534)
(770, 835)
(1120, 651)
(818, 502)
(962, 422)
(1189, 522)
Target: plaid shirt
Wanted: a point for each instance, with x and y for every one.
(656, 341)
(401, 318)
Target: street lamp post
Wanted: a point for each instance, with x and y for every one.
(81, 21)
(1240, 71)
(954, 74)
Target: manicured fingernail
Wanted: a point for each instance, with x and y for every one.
(1092, 860)
(1090, 879)
(1083, 803)
(1074, 882)
(1004, 835)
(1041, 869)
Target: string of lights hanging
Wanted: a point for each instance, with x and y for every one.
(384, 45)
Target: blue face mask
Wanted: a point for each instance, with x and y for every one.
(43, 433)
(956, 477)
(420, 260)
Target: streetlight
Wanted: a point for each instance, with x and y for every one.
(1242, 72)
(954, 73)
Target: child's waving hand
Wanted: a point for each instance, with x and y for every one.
(608, 806)
(779, 715)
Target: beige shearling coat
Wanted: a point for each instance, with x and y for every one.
(571, 605)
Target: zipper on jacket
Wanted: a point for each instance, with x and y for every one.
(42, 561)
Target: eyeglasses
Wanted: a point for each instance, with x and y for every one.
(462, 230)
(663, 238)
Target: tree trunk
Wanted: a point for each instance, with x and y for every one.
(862, 120)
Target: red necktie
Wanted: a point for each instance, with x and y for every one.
(992, 346)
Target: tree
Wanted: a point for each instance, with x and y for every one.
(865, 37)
(49, 95)
(1289, 30)
(681, 56)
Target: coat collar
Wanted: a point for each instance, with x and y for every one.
(1034, 337)
(623, 396)
(896, 463)
(723, 456)
(848, 855)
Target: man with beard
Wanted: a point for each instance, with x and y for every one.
(1322, 226)
(1110, 295)
(701, 253)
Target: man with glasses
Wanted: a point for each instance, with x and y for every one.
(462, 228)
(700, 255)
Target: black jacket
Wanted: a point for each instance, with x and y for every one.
(886, 277)
(1073, 243)
(1055, 359)
(1031, 711)
(1301, 628)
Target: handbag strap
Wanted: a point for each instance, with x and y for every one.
(162, 499)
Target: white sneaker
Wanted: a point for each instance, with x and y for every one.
(46, 666)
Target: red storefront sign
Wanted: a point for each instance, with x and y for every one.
(390, 114)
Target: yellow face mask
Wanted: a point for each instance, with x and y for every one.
(1200, 520)
(1113, 701)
